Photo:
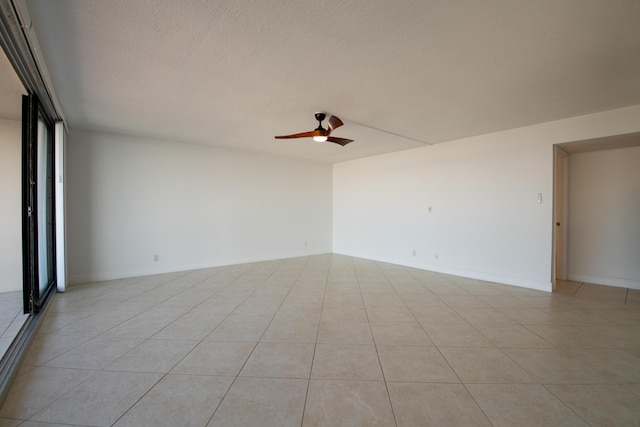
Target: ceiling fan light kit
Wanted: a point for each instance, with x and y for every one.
(321, 134)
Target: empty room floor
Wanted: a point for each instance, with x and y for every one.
(330, 340)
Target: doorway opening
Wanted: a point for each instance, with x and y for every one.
(594, 215)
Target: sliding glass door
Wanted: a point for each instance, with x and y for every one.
(38, 220)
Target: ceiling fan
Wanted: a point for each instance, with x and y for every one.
(321, 134)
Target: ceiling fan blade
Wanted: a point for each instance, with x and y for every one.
(298, 135)
(334, 123)
(341, 141)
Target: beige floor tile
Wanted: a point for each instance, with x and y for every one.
(487, 335)
(484, 365)
(619, 336)
(633, 300)
(345, 332)
(455, 335)
(189, 328)
(563, 336)
(624, 316)
(621, 365)
(503, 301)
(436, 315)
(601, 289)
(57, 320)
(178, 400)
(215, 358)
(47, 347)
(576, 316)
(567, 287)
(217, 306)
(399, 333)
(408, 290)
(280, 360)
(348, 403)
(463, 301)
(343, 298)
(635, 388)
(512, 336)
(600, 405)
(94, 325)
(477, 316)
(529, 316)
(37, 388)
(447, 289)
(389, 313)
(415, 363)
(262, 308)
(555, 366)
(423, 404)
(511, 405)
(239, 329)
(158, 356)
(346, 362)
(291, 331)
(427, 299)
(100, 400)
(262, 402)
(386, 297)
(304, 312)
(95, 353)
(344, 313)
(144, 325)
(34, 424)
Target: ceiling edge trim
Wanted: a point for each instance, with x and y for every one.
(20, 44)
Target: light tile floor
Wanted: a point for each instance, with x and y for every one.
(330, 340)
(11, 318)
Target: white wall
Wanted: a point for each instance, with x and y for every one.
(485, 221)
(604, 217)
(195, 206)
(10, 206)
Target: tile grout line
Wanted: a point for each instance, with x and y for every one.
(384, 378)
(447, 361)
(164, 375)
(259, 338)
(315, 347)
(577, 289)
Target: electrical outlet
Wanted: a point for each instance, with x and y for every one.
(156, 257)
(414, 252)
(305, 244)
(436, 256)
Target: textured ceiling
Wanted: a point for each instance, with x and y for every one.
(399, 74)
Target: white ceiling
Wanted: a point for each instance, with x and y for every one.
(399, 74)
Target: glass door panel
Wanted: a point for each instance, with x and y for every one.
(38, 220)
(45, 206)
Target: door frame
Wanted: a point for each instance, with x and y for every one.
(560, 224)
(33, 296)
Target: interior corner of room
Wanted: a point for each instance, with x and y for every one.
(523, 206)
